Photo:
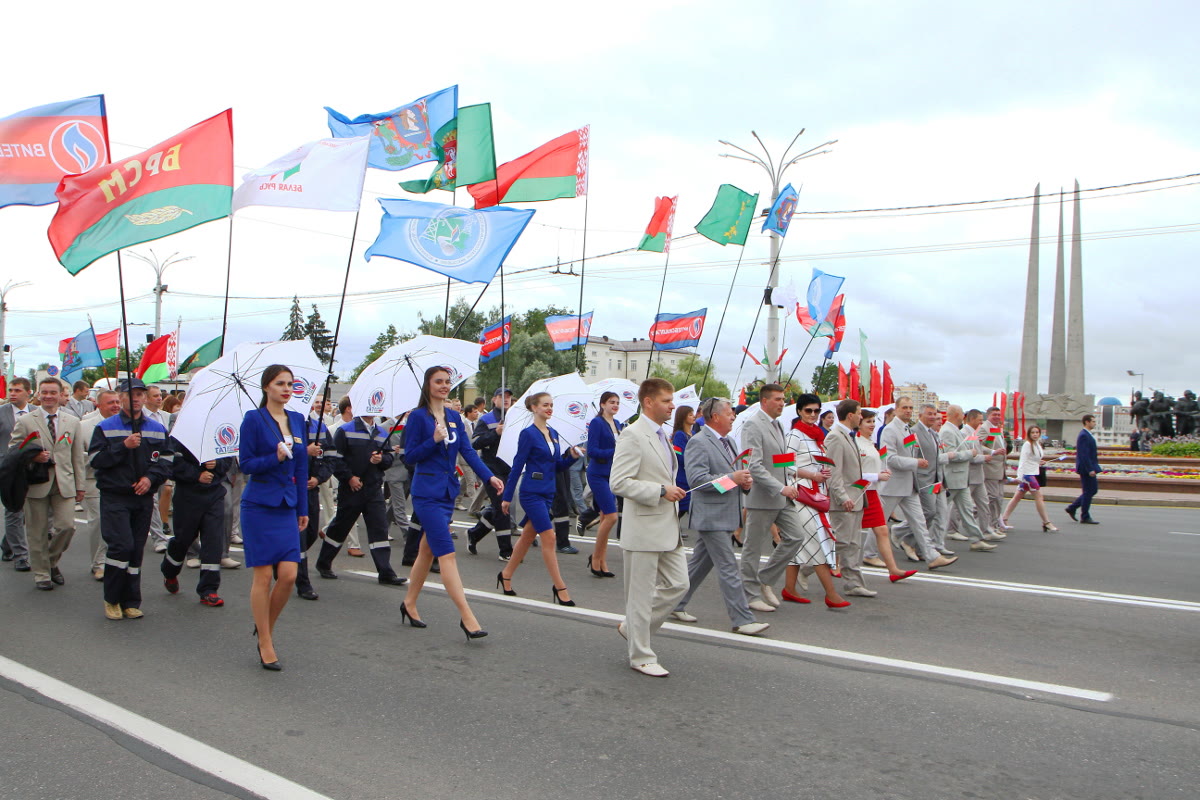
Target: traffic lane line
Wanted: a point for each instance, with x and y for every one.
(231, 769)
(795, 647)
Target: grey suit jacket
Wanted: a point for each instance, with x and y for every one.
(929, 447)
(704, 460)
(900, 461)
(760, 434)
(641, 466)
(960, 452)
(994, 469)
(846, 469)
(8, 421)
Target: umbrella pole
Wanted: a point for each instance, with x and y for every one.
(337, 327)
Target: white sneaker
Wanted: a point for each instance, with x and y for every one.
(684, 616)
(193, 563)
(769, 595)
(653, 670)
(229, 563)
(751, 628)
(956, 536)
(759, 605)
(861, 591)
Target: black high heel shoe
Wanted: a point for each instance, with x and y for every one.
(479, 634)
(413, 621)
(500, 580)
(273, 666)
(558, 599)
(596, 573)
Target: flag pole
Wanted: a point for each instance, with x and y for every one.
(337, 327)
(228, 270)
(582, 264)
(124, 319)
(446, 315)
(801, 358)
(103, 361)
(470, 311)
(661, 289)
(750, 339)
(504, 352)
(712, 353)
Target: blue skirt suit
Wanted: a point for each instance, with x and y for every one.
(680, 440)
(601, 444)
(276, 493)
(434, 479)
(535, 467)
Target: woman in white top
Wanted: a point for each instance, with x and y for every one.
(1028, 467)
(875, 470)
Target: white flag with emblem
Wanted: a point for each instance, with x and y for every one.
(326, 175)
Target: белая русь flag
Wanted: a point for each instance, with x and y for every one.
(326, 175)
(462, 244)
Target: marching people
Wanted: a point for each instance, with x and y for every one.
(603, 430)
(79, 404)
(15, 546)
(685, 417)
(1028, 468)
(539, 459)
(199, 511)
(875, 471)
(434, 440)
(994, 470)
(960, 450)
(107, 404)
(486, 440)
(274, 508)
(847, 488)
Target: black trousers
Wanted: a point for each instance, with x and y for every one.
(370, 505)
(493, 519)
(197, 514)
(307, 537)
(124, 524)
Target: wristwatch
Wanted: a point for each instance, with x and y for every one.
(662, 491)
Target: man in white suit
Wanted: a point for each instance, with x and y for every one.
(643, 472)
(52, 502)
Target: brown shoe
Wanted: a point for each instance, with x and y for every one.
(354, 552)
(112, 611)
(98, 573)
(942, 561)
(133, 613)
(875, 562)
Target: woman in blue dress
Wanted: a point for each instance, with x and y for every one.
(434, 438)
(539, 457)
(601, 444)
(274, 507)
(684, 417)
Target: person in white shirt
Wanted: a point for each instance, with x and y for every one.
(1029, 466)
(79, 404)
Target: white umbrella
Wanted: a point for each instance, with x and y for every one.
(391, 384)
(572, 411)
(687, 396)
(626, 390)
(219, 395)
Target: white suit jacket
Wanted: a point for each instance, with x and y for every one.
(641, 466)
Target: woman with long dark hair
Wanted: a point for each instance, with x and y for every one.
(434, 438)
(274, 505)
(601, 444)
(684, 417)
(1028, 466)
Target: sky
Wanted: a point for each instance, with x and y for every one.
(930, 103)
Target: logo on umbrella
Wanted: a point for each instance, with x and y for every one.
(576, 409)
(303, 389)
(627, 394)
(375, 404)
(226, 437)
(455, 375)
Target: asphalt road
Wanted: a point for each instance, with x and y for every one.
(1058, 666)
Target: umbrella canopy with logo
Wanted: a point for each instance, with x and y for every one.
(572, 411)
(626, 390)
(391, 384)
(219, 395)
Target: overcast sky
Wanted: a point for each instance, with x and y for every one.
(931, 103)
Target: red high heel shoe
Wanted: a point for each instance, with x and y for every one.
(831, 604)
(909, 574)
(791, 598)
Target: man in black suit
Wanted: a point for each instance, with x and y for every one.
(1087, 466)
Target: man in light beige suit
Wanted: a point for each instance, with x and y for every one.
(53, 500)
(846, 496)
(643, 472)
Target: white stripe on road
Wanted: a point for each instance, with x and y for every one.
(255, 780)
(794, 647)
(1183, 533)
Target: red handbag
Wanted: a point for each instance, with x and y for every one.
(813, 498)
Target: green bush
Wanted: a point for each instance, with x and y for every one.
(1177, 449)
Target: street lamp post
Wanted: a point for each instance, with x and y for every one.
(8, 287)
(775, 173)
(159, 268)
(1141, 375)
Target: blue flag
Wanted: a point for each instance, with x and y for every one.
(82, 351)
(38, 146)
(781, 213)
(402, 137)
(493, 341)
(568, 330)
(460, 243)
(822, 290)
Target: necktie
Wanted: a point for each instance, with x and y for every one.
(662, 437)
(729, 447)
(50, 425)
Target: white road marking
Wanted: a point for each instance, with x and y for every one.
(795, 647)
(1183, 533)
(230, 768)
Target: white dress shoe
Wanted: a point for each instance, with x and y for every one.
(192, 563)
(229, 563)
(653, 670)
(621, 630)
(871, 561)
(998, 534)
(769, 595)
(759, 605)
(861, 591)
(751, 628)
(958, 537)
(984, 547)
(909, 552)
(991, 537)
(946, 551)
(684, 616)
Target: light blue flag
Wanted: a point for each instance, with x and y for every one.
(822, 290)
(82, 351)
(460, 243)
(402, 137)
(781, 213)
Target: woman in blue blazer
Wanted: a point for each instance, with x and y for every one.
(539, 457)
(684, 417)
(274, 506)
(601, 444)
(434, 438)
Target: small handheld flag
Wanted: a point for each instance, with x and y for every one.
(910, 440)
(458, 470)
(677, 449)
(933, 488)
(861, 483)
(824, 459)
(784, 460)
(883, 452)
(745, 454)
(724, 484)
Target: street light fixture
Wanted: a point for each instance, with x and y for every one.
(776, 175)
(1141, 375)
(159, 268)
(8, 287)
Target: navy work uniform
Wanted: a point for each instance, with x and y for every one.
(487, 441)
(198, 510)
(353, 445)
(125, 515)
(321, 468)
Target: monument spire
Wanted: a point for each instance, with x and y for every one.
(1075, 377)
(1027, 380)
(1058, 328)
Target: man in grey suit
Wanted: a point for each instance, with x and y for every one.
(933, 506)
(959, 444)
(901, 490)
(15, 546)
(716, 513)
(846, 499)
(992, 432)
(771, 502)
(643, 472)
(984, 454)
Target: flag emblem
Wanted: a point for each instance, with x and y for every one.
(451, 238)
(76, 146)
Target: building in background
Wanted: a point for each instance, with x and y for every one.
(618, 358)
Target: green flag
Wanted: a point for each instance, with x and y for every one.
(465, 151)
(730, 216)
(205, 355)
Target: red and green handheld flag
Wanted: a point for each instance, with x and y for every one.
(657, 238)
(861, 483)
(910, 441)
(883, 452)
(745, 454)
(784, 460)
(820, 458)
(933, 488)
(180, 183)
(724, 484)
(556, 169)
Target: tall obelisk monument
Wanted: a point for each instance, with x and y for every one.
(1075, 377)
(1058, 324)
(1027, 381)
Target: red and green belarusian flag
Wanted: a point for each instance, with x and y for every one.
(821, 458)
(883, 452)
(784, 460)
(556, 169)
(910, 441)
(933, 488)
(160, 361)
(108, 343)
(861, 483)
(724, 484)
(677, 449)
(175, 185)
(744, 456)
(658, 233)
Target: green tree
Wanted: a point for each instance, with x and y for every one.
(318, 335)
(382, 342)
(690, 370)
(114, 365)
(825, 381)
(295, 330)
(461, 310)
